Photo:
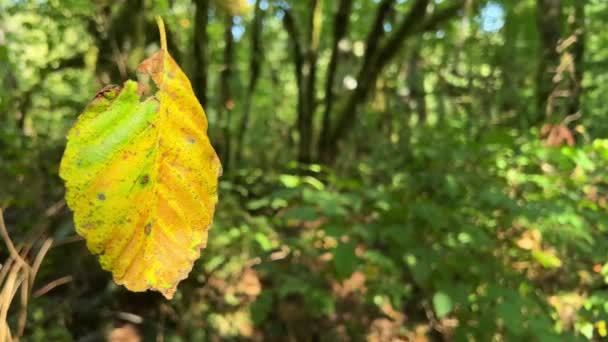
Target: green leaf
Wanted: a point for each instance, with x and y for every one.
(261, 307)
(290, 181)
(315, 183)
(546, 259)
(301, 213)
(509, 311)
(263, 241)
(258, 203)
(442, 303)
(587, 330)
(345, 260)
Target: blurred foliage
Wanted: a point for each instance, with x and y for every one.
(469, 224)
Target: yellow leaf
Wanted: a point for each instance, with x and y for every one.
(141, 178)
(601, 328)
(233, 7)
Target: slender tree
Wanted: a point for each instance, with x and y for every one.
(226, 101)
(201, 59)
(255, 68)
(341, 19)
(415, 82)
(548, 20)
(376, 58)
(305, 62)
(577, 49)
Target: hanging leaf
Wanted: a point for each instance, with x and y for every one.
(141, 178)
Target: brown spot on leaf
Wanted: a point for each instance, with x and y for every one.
(109, 92)
(144, 180)
(148, 229)
(101, 196)
(88, 225)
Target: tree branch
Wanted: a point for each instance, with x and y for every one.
(375, 36)
(340, 28)
(431, 23)
(309, 80)
(255, 66)
(201, 59)
(373, 65)
(292, 30)
(414, 18)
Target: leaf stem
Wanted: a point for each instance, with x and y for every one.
(163, 34)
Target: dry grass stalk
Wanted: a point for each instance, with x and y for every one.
(16, 274)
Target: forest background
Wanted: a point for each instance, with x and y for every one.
(413, 170)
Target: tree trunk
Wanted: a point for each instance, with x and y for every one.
(124, 29)
(328, 146)
(294, 37)
(305, 63)
(309, 77)
(415, 80)
(578, 54)
(255, 66)
(374, 62)
(201, 59)
(340, 28)
(548, 20)
(227, 102)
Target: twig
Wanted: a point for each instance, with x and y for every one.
(48, 287)
(68, 240)
(23, 308)
(571, 118)
(55, 208)
(6, 297)
(9, 244)
(41, 254)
